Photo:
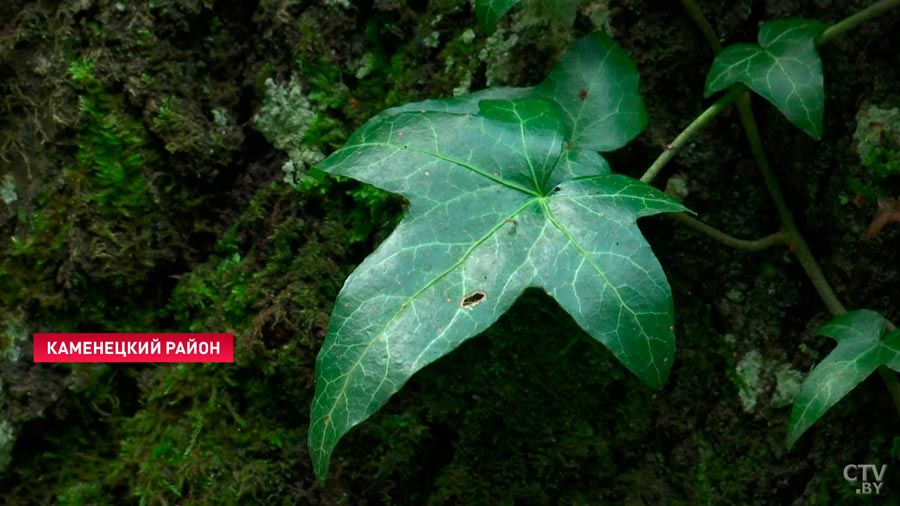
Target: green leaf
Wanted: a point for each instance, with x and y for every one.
(465, 104)
(489, 11)
(601, 99)
(596, 85)
(863, 345)
(784, 67)
(501, 199)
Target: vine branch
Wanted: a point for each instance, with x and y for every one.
(689, 132)
(797, 242)
(728, 240)
(851, 22)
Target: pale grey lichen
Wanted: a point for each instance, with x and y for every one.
(8, 190)
(7, 441)
(756, 374)
(546, 22)
(735, 295)
(432, 40)
(367, 64)
(787, 385)
(465, 86)
(284, 119)
(340, 3)
(598, 12)
(748, 371)
(13, 335)
(220, 116)
(496, 54)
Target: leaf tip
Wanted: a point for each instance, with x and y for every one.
(793, 436)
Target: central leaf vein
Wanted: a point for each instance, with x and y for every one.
(465, 165)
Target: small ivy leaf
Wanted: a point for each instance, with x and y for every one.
(784, 68)
(489, 11)
(596, 85)
(500, 200)
(863, 345)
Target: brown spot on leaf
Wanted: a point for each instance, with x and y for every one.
(473, 299)
(583, 94)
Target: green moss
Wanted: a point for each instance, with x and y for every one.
(186, 131)
(877, 141)
(227, 434)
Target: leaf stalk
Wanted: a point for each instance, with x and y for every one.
(768, 241)
(852, 21)
(689, 132)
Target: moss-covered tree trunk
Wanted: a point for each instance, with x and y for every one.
(155, 176)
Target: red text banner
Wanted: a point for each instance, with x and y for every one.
(131, 347)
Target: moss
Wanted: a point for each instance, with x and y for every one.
(877, 141)
(206, 139)
(202, 426)
(159, 220)
(111, 150)
(748, 372)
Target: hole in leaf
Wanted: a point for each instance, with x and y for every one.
(473, 299)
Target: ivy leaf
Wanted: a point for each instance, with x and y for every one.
(602, 103)
(864, 344)
(784, 68)
(500, 200)
(489, 11)
(596, 85)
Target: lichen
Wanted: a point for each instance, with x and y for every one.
(748, 371)
(368, 63)
(787, 385)
(432, 40)
(7, 441)
(285, 118)
(8, 190)
(496, 54)
(598, 12)
(757, 374)
(12, 336)
(344, 4)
